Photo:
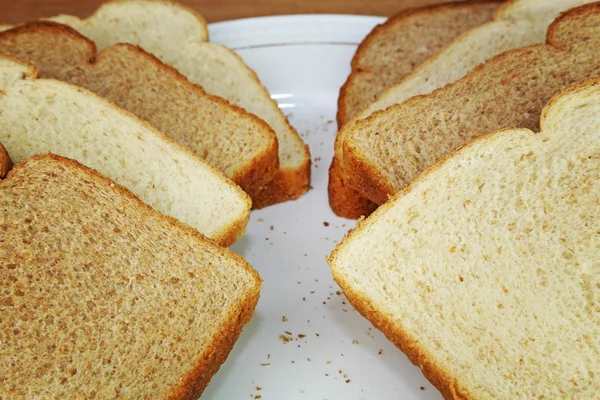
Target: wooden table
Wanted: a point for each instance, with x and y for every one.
(13, 11)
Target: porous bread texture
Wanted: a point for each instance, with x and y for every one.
(5, 162)
(485, 270)
(514, 26)
(104, 297)
(239, 144)
(42, 115)
(389, 53)
(393, 49)
(218, 70)
(387, 150)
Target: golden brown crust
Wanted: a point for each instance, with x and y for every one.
(344, 201)
(288, 184)
(5, 162)
(198, 379)
(370, 182)
(251, 177)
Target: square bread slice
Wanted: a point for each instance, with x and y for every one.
(104, 297)
(217, 69)
(237, 143)
(384, 152)
(516, 23)
(485, 271)
(43, 115)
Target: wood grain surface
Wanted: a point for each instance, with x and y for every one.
(13, 11)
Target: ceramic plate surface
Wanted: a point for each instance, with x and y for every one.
(305, 341)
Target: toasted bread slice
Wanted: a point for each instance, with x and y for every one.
(42, 115)
(485, 271)
(216, 68)
(239, 144)
(387, 150)
(392, 50)
(104, 297)
(514, 26)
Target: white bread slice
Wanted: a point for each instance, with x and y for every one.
(392, 50)
(517, 23)
(485, 271)
(104, 297)
(387, 55)
(239, 144)
(384, 152)
(216, 68)
(42, 115)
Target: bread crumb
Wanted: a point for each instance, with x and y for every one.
(285, 339)
(347, 380)
(264, 365)
(272, 227)
(422, 388)
(258, 396)
(301, 335)
(325, 223)
(317, 334)
(380, 352)
(293, 362)
(355, 342)
(268, 356)
(304, 299)
(258, 388)
(284, 319)
(260, 220)
(339, 293)
(308, 359)
(289, 333)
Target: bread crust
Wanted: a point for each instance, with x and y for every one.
(5, 162)
(252, 177)
(228, 234)
(368, 180)
(344, 200)
(450, 387)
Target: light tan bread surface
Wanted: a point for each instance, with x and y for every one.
(5, 162)
(387, 55)
(239, 144)
(216, 68)
(43, 115)
(517, 23)
(393, 49)
(485, 270)
(387, 150)
(104, 297)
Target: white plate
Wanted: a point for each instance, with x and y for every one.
(334, 353)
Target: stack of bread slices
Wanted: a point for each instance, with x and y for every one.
(127, 166)
(471, 134)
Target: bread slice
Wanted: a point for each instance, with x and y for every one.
(485, 270)
(239, 144)
(216, 68)
(42, 115)
(387, 150)
(389, 53)
(104, 297)
(517, 23)
(5, 162)
(393, 49)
